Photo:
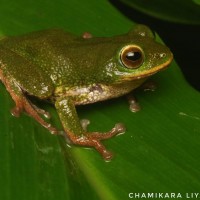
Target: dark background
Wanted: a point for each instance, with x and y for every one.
(183, 40)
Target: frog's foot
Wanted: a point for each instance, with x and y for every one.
(149, 86)
(34, 112)
(84, 124)
(134, 106)
(16, 111)
(87, 35)
(93, 139)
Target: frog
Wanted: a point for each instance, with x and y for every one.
(70, 70)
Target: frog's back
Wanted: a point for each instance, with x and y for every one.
(41, 48)
(35, 38)
(19, 60)
(33, 45)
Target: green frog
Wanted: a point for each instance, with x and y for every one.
(70, 70)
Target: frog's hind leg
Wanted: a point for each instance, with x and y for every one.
(34, 112)
(41, 111)
(22, 103)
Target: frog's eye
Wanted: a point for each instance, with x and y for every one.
(131, 56)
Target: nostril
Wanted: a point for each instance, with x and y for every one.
(158, 55)
(162, 55)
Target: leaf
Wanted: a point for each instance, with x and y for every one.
(179, 11)
(197, 2)
(158, 153)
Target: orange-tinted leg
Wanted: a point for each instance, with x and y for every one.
(75, 132)
(22, 103)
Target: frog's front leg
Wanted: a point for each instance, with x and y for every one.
(75, 132)
(134, 105)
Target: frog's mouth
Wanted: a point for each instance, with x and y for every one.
(149, 72)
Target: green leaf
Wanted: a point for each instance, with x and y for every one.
(179, 11)
(197, 2)
(158, 153)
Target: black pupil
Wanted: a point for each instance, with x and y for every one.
(133, 56)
